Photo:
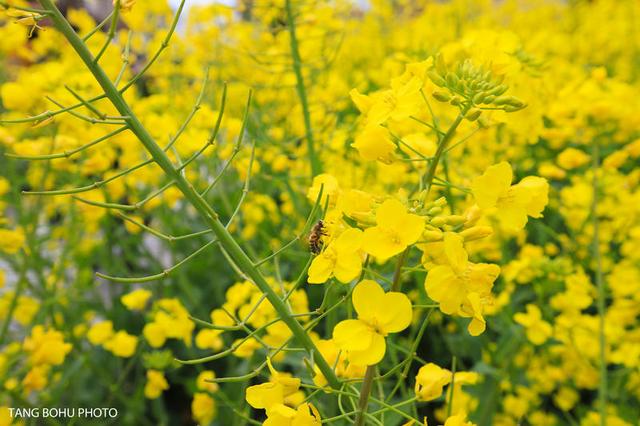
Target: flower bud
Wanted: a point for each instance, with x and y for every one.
(473, 114)
(431, 236)
(438, 221)
(473, 215)
(436, 78)
(476, 233)
(441, 96)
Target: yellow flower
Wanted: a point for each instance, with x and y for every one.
(458, 420)
(136, 300)
(203, 408)
(374, 143)
(538, 330)
(572, 158)
(208, 339)
(341, 258)
(461, 287)
(37, 378)
(281, 415)
(100, 332)
(280, 387)
(379, 314)
(11, 241)
(125, 5)
(122, 344)
(204, 381)
(155, 335)
(46, 346)
(330, 189)
(513, 202)
(156, 384)
(170, 321)
(430, 381)
(335, 357)
(395, 230)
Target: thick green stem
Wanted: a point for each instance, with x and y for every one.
(316, 165)
(442, 146)
(228, 243)
(365, 391)
(602, 392)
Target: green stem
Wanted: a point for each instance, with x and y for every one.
(602, 393)
(227, 241)
(442, 146)
(395, 285)
(363, 402)
(452, 386)
(316, 166)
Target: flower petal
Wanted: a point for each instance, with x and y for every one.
(368, 298)
(373, 354)
(352, 335)
(395, 313)
(492, 184)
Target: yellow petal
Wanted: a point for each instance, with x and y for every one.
(348, 267)
(533, 193)
(371, 355)
(352, 335)
(493, 184)
(368, 297)
(391, 214)
(321, 268)
(411, 229)
(455, 252)
(512, 217)
(379, 243)
(395, 313)
(444, 287)
(349, 241)
(265, 395)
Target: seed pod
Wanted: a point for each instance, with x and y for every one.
(441, 96)
(436, 78)
(473, 114)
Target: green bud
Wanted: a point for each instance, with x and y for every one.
(499, 90)
(479, 97)
(489, 99)
(456, 100)
(501, 100)
(513, 108)
(452, 80)
(436, 78)
(441, 96)
(473, 114)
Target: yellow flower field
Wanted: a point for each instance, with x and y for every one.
(306, 212)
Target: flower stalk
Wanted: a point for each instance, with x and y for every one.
(208, 214)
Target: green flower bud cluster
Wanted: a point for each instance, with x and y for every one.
(472, 87)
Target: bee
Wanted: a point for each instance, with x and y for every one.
(315, 236)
